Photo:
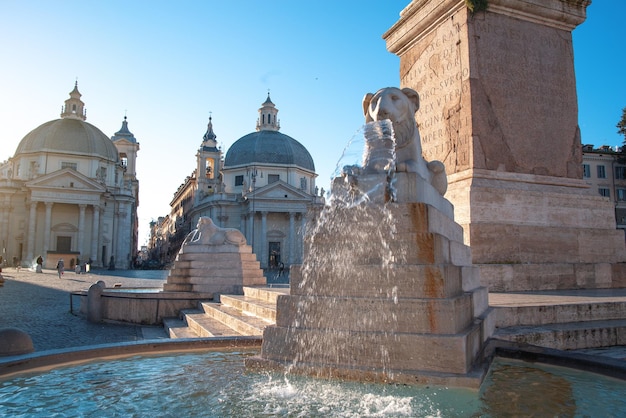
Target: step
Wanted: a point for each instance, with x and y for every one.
(205, 326)
(251, 306)
(269, 294)
(234, 318)
(177, 287)
(569, 335)
(550, 307)
(177, 328)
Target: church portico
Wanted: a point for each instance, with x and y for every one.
(67, 228)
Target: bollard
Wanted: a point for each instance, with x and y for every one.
(94, 302)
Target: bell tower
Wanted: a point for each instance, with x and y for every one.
(209, 160)
(127, 147)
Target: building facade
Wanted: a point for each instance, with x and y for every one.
(70, 192)
(264, 186)
(604, 170)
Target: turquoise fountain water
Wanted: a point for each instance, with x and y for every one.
(216, 384)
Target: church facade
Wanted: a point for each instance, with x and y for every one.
(264, 186)
(70, 192)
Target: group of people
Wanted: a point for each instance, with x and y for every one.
(80, 268)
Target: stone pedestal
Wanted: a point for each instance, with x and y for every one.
(386, 293)
(498, 107)
(214, 269)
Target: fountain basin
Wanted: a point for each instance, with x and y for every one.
(146, 306)
(207, 378)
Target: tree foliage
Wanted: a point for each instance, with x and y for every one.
(621, 125)
(475, 6)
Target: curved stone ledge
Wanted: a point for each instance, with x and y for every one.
(47, 360)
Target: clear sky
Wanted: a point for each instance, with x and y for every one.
(169, 65)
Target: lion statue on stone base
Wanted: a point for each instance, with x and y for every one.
(399, 106)
(207, 233)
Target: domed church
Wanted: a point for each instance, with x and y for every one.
(70, 192)
(264, 186)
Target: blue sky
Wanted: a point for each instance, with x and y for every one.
(169, 65)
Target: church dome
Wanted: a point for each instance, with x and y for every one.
(68, 136)
(268, 147)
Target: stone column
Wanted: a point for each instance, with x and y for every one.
(122, 250)
(113, 251)
(5, 208)
(81, 229)
(32, 219)
(46, 231)
(263, 249)
(250, 229)
(242, 226)
(95, 235)
(292, 238)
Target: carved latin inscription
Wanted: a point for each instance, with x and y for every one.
(435, 67)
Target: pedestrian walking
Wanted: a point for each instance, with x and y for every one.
(39, 267)
(60, 267)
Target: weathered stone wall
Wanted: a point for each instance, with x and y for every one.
(497, 92)
(499, 108)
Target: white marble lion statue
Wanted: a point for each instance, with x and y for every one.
(399, 106)
(207, 233)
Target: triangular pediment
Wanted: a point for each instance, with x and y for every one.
(278, 190)
(66, 179)
(124, 142)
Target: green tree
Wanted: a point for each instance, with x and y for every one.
(621, 125)
(621, 129)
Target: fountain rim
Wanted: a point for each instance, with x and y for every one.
(598, 364)
(42, 361)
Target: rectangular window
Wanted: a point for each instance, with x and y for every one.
(621, 194)
(586, 171)
(604, 192)
(620, 173)
(64, 244)
(65, 164)
(239, 180)
(272, 178)
(601, 172)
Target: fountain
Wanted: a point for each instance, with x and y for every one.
(387, 291)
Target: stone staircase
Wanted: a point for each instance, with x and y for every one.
(234, 315)
(562, 319)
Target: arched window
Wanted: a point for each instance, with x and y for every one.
(209, 170)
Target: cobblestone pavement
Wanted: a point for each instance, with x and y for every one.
(39, 304)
